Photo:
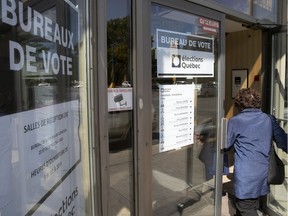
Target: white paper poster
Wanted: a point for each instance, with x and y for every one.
(176, 111)
(40, 156)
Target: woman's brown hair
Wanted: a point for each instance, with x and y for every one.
(247, 98)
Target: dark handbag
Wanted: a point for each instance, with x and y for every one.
(276, 172)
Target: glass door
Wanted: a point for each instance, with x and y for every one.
(277, 198)
(187, 99)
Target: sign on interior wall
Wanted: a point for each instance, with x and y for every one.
(239, 80)
(184, 55)
(176, 116)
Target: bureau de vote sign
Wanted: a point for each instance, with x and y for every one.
(23, 57)
(184, 55)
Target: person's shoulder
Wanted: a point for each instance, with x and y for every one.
(236, 118)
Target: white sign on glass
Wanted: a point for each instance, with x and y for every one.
(42, 153)
(176, 116)
(184, 55)
(119, 99)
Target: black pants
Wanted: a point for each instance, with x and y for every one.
(247, 207)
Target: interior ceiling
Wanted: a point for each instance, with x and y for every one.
(232, 26)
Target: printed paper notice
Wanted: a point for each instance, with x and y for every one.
(176, 112)
(43, 152)
(119, 99)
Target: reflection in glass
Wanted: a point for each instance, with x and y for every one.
(262, 10)
(266, 10)
(119, 83)
(239, 5)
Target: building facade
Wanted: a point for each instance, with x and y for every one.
(119, 107)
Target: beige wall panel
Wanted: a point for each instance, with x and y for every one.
(243, 51)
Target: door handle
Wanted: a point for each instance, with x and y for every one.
(224, 123)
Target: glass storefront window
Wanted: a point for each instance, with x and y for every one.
(43, 150)
(265, 10)
(120, 107)
(239, 5)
